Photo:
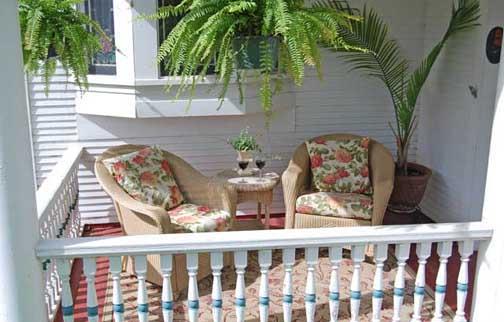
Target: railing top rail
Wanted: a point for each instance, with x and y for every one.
(262, 239)
(54, 182)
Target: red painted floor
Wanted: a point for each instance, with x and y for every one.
(78, 281)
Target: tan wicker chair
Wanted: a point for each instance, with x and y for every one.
(296, 181)
(137, 218)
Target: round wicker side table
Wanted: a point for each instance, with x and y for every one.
(252, 188)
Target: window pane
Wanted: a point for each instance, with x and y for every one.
(102, 11)
(166, 26)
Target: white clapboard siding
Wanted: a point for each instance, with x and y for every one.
(53, 121)
(342, 103)
(455, 127)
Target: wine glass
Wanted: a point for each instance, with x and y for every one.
(243, 164)
(260, 161)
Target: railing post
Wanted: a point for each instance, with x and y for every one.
(21, 293)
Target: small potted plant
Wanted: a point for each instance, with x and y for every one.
(245, 144)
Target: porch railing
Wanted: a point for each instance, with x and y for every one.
(239, 243)
(58, 215)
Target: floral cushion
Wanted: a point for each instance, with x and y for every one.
(340, 166)
(344, 205)
(189, 218)
(146, 176)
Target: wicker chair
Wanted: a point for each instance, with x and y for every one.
(137, 218)
(296, 181)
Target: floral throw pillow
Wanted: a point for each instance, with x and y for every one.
(146, 176)
(340, 166)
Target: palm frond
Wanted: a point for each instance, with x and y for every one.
(383, 59)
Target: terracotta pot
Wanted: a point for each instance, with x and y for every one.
(409, 190)
(244, 155)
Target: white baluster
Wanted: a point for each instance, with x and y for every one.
(444, 251)
(49, 288)
(92, 301)
(240, 259)
(423, 252)
(216, 260)
(355, 292)
(142, 301)
(167, 295)
(465, 249)
(117, 298)
(193, 295)
(310, 291)
(288, 258)
(380, 255)
(265, 261)
(402, 255)
(67, 307)
(335, 254)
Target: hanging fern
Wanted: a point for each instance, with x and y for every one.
(57, 27)
(207, 33)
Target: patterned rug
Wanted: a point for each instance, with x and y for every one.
(129, 288)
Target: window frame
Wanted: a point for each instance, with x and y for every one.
(102, 69)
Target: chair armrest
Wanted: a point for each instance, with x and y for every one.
(293, 183)
(382, 176)
(157, 215)
(223, 195)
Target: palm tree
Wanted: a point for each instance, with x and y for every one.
(382, 59)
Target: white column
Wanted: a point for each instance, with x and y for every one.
(444, 250)
(193, 294)
(489, 286)
(167, 294)
(402, 255)
(380, 251)
(117, 298)
(465, 249)
(240, 261)
(423, 252)
(21, 294)
(142, 301)
(335, 254)
(358, 253)
(288, 259)
(217, 263)
(265, 261)
(67, 308)
(91, 299)
(310, 290)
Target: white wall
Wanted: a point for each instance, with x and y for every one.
(455, 126)
(343, 102)
(53, 121)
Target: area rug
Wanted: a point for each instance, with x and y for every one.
(129, 288)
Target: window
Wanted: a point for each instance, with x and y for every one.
(102, 11)
(166, 26)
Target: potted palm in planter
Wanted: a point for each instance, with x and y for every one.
(272, 38)
(382, 59)
(55, 31)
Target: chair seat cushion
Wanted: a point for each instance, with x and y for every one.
(343, 205)
(146, 176)
(190, 218)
